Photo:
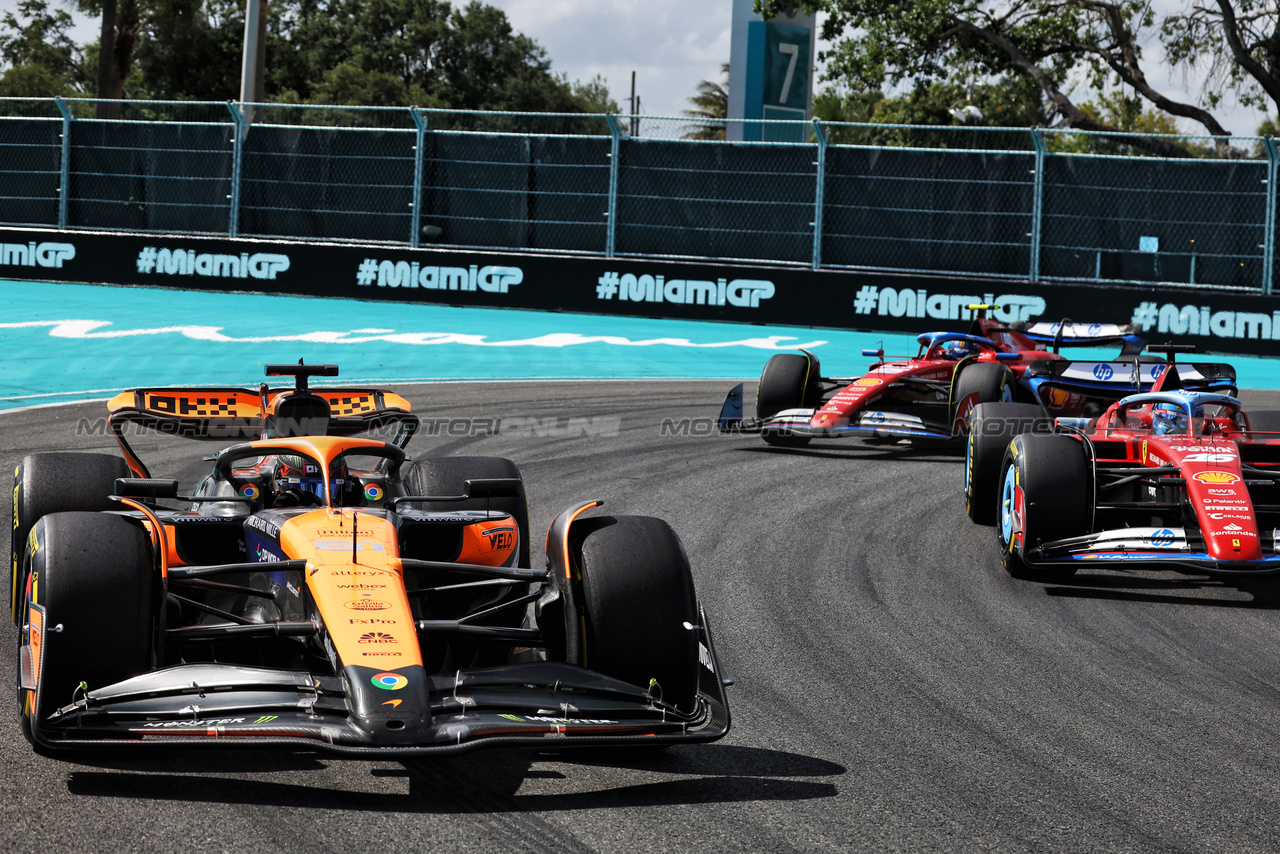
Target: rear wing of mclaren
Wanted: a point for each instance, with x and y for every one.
(238, 414)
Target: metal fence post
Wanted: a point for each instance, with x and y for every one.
(821, 135)
(611, 215)
(1037, 202)
(64, 178)
(419, 140)
(237, 149)
(1269, 232)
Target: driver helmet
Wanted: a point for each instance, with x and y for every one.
(1168, 420)
(957, 349)
(296, 472)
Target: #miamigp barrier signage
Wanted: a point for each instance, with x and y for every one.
(1215, 321)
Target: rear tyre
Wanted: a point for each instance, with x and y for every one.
(1044, 495)
(639, 605)
(92, 574)
(56, 483)
(991, 382)
(789, 381)
(991, 426)
(446, 476)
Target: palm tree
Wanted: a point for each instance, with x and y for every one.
(121, 24)
(710, 108)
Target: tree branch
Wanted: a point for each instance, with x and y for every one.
(1074, 115)
(1240, 53)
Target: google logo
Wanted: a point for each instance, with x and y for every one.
(389, 681)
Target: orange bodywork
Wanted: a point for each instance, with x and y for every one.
(354, 575)
(353, 564)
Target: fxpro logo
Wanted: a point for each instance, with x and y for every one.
(628, 287)
(188, 262)
(891, 302)
(1202, 320)
(411, 274)
(49, 255)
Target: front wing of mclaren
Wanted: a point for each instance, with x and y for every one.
(533, 704)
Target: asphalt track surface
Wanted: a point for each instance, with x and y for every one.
(895, 689)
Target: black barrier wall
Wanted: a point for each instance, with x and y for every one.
(1215, 322)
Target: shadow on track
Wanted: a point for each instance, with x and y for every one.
(1133, 588)
(864, 452)
(480, 782)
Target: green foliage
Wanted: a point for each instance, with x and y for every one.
(710, 108)
(1125, 113)
(1055, 46)
(39, 56)
(341, 52)
(189, 50)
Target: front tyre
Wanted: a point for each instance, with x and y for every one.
(789, 381)
(92, 575)
(991, 427)
(1045, 495)
(640, 609)
(56, 483)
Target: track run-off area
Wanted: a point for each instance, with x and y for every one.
(895, 689)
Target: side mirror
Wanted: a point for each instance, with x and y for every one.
(493, 487)
(146, 487)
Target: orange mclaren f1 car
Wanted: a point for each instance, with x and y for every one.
(320, 590)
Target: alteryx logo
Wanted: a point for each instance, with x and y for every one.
(1162, 538)
(1103, 372)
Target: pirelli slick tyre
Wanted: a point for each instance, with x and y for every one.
(789, 381)
(991, 427)
(1045, 495)
(56, 483)
(640, 609)
(94, 585)
(446, 476)
(992, 382)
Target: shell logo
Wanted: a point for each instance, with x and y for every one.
(1216, 477)
(868, 381)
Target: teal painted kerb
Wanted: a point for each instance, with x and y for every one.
(67, 342)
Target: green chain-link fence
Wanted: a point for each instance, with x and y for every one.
(1037, 204)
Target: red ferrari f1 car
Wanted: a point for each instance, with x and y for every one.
(320, 590)
(927, 396)
(1176, 478)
